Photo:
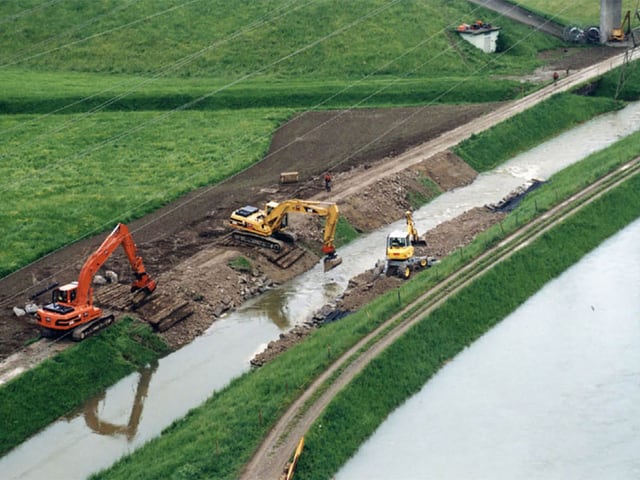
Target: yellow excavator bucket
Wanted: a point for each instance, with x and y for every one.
(331, 262)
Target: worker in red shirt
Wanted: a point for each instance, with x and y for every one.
(327, 181)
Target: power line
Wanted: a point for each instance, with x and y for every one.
(282, 59)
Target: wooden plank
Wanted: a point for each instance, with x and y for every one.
(289, 177)
(177, 315)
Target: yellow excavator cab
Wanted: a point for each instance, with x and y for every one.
(399, 246)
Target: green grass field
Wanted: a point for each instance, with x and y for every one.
(103, 169)
(325, 39)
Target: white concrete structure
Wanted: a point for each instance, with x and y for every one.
(485, 39)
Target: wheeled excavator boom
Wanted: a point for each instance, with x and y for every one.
(400, 252)
(72, 304)
(266, 228)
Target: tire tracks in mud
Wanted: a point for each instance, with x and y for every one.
(277, 448)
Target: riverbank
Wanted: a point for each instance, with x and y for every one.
(39, 396)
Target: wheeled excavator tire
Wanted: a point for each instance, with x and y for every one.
(405, 272)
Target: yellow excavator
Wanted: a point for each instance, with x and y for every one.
(401, 259)
(266, 228)
(619, 34)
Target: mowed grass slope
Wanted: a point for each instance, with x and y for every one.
(277, 38)
(59, 186)
(110, 109)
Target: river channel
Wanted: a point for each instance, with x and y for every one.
(140, 406)
(552, 392)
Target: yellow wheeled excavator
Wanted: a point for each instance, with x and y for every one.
(401, 259)
(266, 228)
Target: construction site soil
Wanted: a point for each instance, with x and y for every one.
(187, 248)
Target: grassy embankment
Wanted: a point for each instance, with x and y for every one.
(561, 112)
(273, 39)
(91, 136)
(38, 397)
(232, 422)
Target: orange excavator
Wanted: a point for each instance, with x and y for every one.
(72, 306)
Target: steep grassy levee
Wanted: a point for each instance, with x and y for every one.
(223, 432)
(492, 147)
(401, 370)
(275, 38)
(57, 386)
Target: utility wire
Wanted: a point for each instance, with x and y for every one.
(344, 159)
(27, 11)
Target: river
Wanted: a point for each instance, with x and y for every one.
(552, 392)
(122, 419)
